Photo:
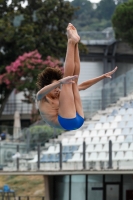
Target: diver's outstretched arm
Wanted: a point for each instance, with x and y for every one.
(45, 90)
(89, 83)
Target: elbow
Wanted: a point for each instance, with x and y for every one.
(81, 88)
(39, 96)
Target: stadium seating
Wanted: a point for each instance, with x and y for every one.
(115, 125)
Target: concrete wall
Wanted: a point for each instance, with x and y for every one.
(48, 181)
(90, 70)
(123, 68)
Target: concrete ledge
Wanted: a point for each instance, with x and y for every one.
(68, 172)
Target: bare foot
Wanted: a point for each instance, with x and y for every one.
(72, 33)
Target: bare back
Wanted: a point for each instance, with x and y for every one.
(48, 108)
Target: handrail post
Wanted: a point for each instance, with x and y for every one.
(38, 153)
(125, 87)
(110, 154)
(17, 158)
(84, 160)
(60, 155)
(103, 99)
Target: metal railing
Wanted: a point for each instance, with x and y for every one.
(56, 156)
(30, 198)
(7, 197)
(11, 107)
(97, 37)
(40, 160)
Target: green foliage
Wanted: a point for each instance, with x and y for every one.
(96, 17)
(105, 9)
(83, 14)
(122, 21)
(41, 133)
(41, 26)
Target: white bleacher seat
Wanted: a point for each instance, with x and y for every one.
(90, 148)
(72, 141)
(113, 125)
(126, 117)
(126, 105)
(106, 125)
(76, 158)
(130, 111)
(106, 147)
(98, 126)
(109, 132)
(112, 138)
(34, 160)
(129, 124)
(114, 112)
(119, 156)
(131, 147)
(124, 147)
(51, 149)
(57, 149)
(117, 131)
(129, 138)
(93, 133)
(86, 156)
(90, 126)
(98, 147)
(120, 138)
(102, 156)
(78, 134)
(118, 118)
(115, 147)
(122, 111)
(79, 141)
(131, 117)
(131, 131)
(88, 140)
(128, 155)
(125, 131)
(104, 139)
(65, 141)
(103, 119)
(80, 149)
(95, 140)
(110, 118)
(121, 124)
(92, 157)
(86, 133)
(101, 133)
(113, 155)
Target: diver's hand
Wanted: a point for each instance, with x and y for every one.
(108, 75)
(68, 79)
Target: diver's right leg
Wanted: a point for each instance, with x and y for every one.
(67, 107)
(77, 99)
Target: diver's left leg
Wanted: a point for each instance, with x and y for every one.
(77, 99)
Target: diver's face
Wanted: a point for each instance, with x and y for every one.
(55, 92)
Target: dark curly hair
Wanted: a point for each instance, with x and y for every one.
(47, 76)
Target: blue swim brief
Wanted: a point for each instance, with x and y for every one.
(71, 124)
